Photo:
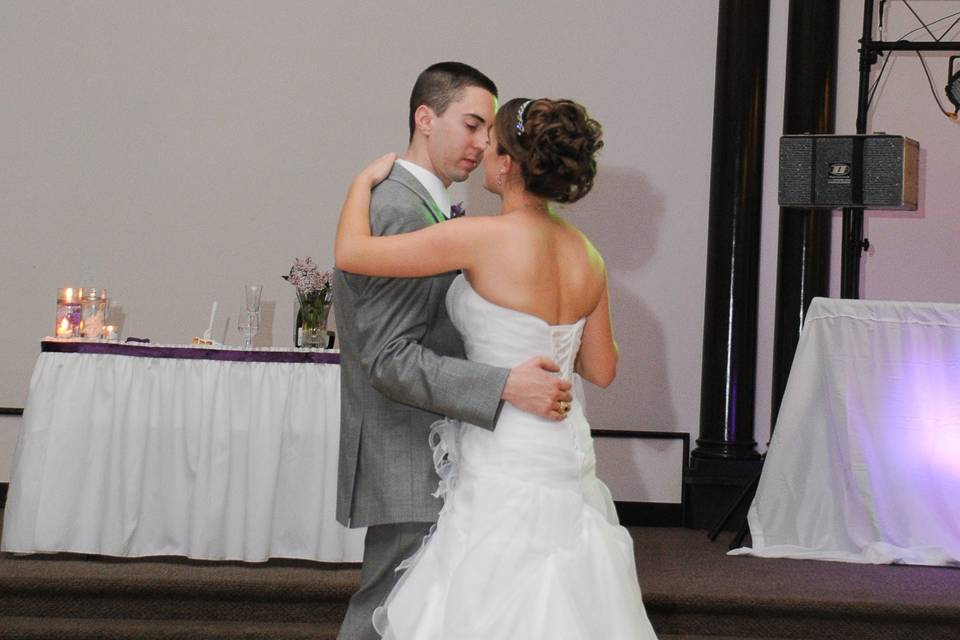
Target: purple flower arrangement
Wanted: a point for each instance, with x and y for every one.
(309, 280)
(315, 293)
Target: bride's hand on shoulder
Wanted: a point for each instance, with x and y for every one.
(353, 229)
(378, 170)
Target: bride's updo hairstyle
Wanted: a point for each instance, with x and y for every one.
(555, 143)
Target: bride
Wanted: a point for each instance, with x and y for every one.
(527, 545)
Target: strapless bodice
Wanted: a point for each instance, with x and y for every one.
(505, 337)
(522, 445)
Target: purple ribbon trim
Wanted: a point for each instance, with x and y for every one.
(189, 353)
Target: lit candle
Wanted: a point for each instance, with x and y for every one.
(110, 332)
(69, 313)
(64, 330)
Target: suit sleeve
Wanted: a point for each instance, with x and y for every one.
(392, 331)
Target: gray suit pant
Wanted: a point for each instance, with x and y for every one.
(384, 547)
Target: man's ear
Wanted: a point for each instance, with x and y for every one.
(423, 119)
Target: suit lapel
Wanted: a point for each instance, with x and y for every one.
(429, 210)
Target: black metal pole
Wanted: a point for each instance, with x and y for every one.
(852, 249)
(727, 387)
(803, 258)
(907, 45)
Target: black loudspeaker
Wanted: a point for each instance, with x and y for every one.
(859, 171)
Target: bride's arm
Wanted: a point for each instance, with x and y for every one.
(597, 360)
(438, 248)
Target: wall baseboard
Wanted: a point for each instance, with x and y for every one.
(650, 514)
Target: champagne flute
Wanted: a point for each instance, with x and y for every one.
(248, 324)
(252, 294)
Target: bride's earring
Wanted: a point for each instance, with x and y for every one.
(500, 177)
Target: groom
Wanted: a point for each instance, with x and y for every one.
(402, 361)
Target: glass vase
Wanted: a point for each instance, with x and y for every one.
(312, 321)
(313, 337)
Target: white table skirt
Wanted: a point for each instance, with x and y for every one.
(864, 463)
(210, 459)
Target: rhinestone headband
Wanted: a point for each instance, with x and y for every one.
(520, 111)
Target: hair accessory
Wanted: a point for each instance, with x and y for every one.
(520, 117)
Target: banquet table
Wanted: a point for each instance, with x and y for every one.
(206, 452)
(864, 462)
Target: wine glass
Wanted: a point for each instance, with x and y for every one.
(248, 324)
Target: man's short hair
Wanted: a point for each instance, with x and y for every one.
(441, 84)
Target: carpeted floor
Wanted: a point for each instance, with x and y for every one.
(684, 561)
(691, 588)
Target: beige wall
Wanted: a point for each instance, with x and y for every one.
(172, 151)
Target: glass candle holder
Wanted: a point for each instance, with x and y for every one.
(93, 312)
(69, 313)
(110, 333)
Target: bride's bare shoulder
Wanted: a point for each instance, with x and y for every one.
(579, 240)
(510, 223)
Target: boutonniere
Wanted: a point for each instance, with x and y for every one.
(457, 210)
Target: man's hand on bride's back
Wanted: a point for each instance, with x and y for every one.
(533, 387)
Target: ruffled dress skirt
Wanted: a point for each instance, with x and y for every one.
(527, 545)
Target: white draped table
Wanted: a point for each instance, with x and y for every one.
(864, 463)
(210, 453)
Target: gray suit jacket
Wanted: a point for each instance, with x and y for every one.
(401, 368)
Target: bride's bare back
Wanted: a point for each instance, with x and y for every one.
(541, 265)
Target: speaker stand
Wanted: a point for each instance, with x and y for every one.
(745, 496)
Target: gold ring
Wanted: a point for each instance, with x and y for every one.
(564, 406)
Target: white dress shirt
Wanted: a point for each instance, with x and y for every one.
(431, 183)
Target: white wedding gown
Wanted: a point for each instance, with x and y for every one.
(527, 546)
